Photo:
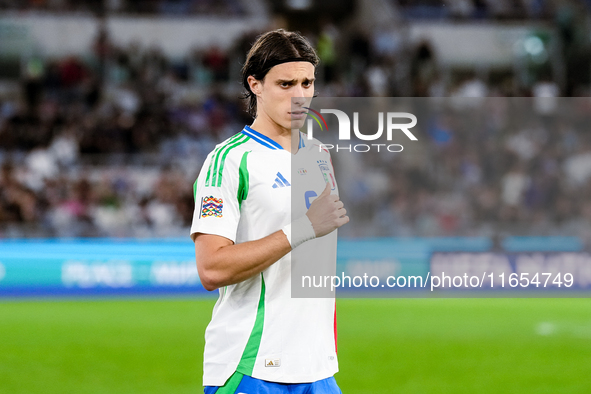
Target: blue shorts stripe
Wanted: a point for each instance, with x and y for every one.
(250, 385)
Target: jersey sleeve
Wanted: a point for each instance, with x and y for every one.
(217, 210)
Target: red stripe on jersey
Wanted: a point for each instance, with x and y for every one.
(335, 326)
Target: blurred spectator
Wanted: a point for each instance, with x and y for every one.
(33, 83)
(423, 69)
(327, 51)
(217, 62)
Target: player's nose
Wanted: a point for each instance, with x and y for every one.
(298, 100)
(299, 91)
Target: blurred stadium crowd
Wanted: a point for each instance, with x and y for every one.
(111, 145)
(498, 9)
(162, 7)
(491, 166)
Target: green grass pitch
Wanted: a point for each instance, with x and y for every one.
(385, 346)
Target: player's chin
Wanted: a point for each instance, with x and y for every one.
(297, 122)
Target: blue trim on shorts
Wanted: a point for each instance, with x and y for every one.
(250, 385)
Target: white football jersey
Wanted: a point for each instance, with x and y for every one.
(244, 193)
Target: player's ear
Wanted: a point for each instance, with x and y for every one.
(255, 85)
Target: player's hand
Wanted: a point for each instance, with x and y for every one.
(327, 213)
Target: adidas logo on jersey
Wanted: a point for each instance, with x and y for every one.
(272, 362)
(280, 181)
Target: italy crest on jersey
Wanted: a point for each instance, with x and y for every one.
(327, 173)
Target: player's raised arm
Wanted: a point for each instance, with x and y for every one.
(221, 262)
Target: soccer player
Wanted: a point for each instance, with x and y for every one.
(260, 339)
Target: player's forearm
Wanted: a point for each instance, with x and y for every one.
(234, 263)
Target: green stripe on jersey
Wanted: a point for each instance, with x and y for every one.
(231, 384)
(219, 171)
(195, 190)
(251, 350)
(215, 156)
(243, 180)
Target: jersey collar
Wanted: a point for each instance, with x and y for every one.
(301, 145)
(261, 139)
(266, 141)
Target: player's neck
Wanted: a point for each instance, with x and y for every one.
(284, 137)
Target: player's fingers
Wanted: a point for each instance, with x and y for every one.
(326, 190)
(338, 204)
(333, 198)
(342, 220)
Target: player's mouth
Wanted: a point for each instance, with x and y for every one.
(298, 114)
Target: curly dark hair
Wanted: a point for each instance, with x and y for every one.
(269, 49)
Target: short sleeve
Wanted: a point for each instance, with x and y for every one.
(217, 210)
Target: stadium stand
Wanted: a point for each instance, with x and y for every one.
(108, 143)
